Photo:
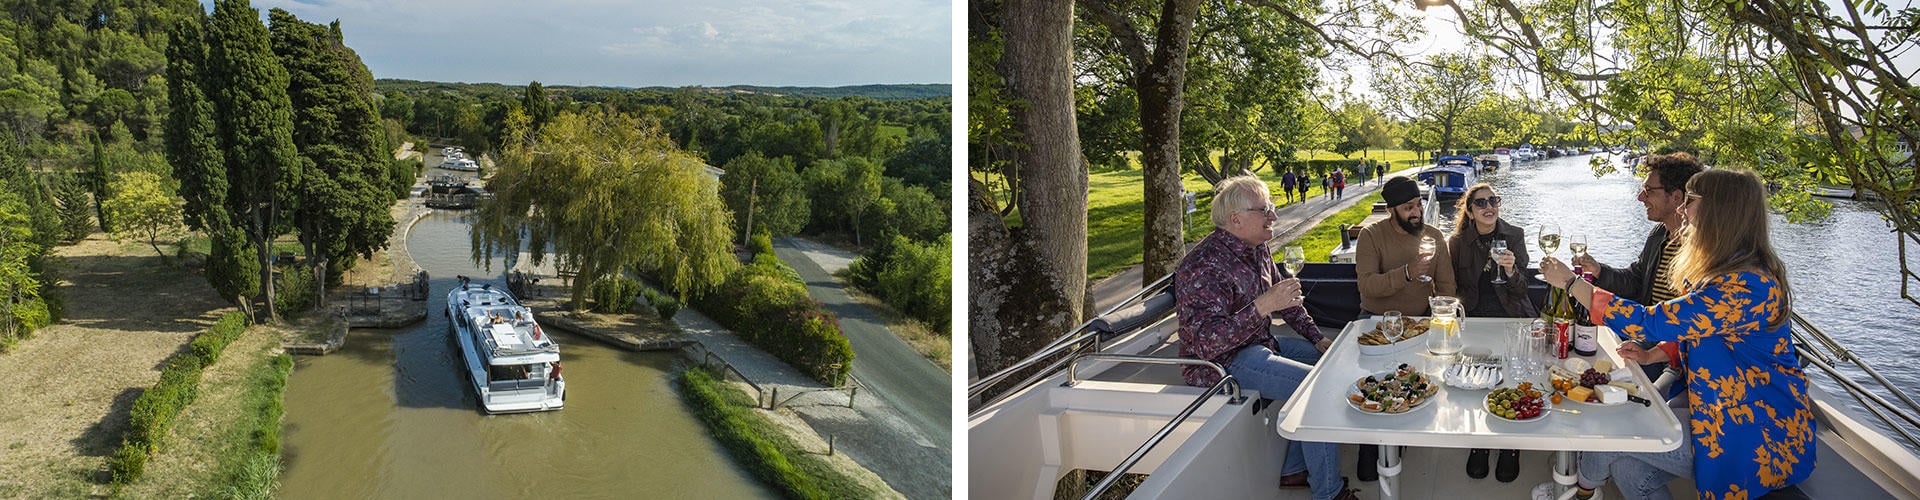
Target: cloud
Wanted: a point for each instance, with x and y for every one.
(650, 42)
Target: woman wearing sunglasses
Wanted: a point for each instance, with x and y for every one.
(1488, 286)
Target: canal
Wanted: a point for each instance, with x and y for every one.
(1845, 269)
(391, 416)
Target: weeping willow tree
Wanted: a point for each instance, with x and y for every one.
(609, 192)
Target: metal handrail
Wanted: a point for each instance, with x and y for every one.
(1226, 381)
(1809, 335)
(1060, 344)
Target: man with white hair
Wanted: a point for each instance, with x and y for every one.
(1228, 290)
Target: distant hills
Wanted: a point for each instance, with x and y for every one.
(883, 92)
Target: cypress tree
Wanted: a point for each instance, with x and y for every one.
(255, 123)
(537, 106)
(192, 145)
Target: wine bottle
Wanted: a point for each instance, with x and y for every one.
(1559, 315)
(1586, 340)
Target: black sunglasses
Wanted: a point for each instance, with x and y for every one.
(1490, 201)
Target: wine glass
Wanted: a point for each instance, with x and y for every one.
(1549, 238)
(1499, 249)
(1390, 325)
(1578, 244)
(1427, 244)
(1295, 259)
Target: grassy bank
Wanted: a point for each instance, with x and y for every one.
(1116, 212)
(226, 443)
(1325, 236)
(751, 439)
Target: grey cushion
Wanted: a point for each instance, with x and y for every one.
(1134, 317)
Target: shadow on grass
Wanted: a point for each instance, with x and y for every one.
(137, 294)
(103, 437)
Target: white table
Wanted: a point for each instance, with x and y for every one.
(1457, 419)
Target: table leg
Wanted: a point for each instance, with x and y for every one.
(1563, 472)
(1389, 467)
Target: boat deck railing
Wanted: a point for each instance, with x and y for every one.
(1227, 383)
(1081, 340)
(1823, 351)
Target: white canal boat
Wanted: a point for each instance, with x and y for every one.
(514, 365)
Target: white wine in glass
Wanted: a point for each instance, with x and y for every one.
(1295, 259)
(1549, 238)
(1578, 244)
(1427, 245)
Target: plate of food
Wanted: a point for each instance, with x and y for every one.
(1392, 392)
(1375, 342)
(1517, 404)
(1599, 385)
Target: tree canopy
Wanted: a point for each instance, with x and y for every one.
(609, 192)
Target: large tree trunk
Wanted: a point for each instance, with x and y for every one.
(1162, 87)
(1028, 284)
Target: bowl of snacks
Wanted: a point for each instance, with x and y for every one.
(1518, 404)
(1376, 342)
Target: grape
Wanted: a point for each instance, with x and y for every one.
(1592, 378)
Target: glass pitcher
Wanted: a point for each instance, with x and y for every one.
(1444, 339)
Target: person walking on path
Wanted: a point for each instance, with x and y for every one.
(1286, 185)
(1326, 186)
(1339, 183)
(1306, 182)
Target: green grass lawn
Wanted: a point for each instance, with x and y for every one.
(1326, 235)
(1116, 215)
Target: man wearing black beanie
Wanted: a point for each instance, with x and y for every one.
(1389, 262)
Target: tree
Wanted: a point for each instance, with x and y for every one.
(1436, 95)
(143, 209)
(843, 191)
(1029, 282)
(192, 143)
(344, 193)
(19, 288)
(608, 192)
(538, 107)
(1361, 128)
(254, 119)
(766, 192)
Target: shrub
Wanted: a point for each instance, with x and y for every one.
(209, 344)
(293, 290)
(153, 414)
(767, 305)
(614, 294)
(664, 304)
(762, 244)
(232, 266)
(917, 280)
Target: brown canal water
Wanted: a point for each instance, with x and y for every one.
(392, 416)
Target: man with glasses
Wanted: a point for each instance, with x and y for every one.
(1646, 281)
(1394, 274)
(1228, 290)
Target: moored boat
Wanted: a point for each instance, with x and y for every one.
(1450, 176)
(513, 364)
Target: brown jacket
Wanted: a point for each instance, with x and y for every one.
(1470, 259)
(1382, 262)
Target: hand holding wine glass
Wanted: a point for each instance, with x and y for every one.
(1578, 244)
(1427, 246)
(1502, 260)
(1295, 259)
(1549, 238)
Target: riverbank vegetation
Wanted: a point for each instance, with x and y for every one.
(155, 410)
(757, 445)
(766, 303)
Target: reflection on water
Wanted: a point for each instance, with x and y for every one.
(1844, 269)
(391, 416)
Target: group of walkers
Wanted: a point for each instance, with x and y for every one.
(1296, 182)
(1707, 297)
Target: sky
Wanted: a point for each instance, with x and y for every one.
(644, 43)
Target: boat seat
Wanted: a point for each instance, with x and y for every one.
(1134, 317)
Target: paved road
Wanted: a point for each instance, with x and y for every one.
(918, 392)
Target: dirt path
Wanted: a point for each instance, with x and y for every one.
(127, 311)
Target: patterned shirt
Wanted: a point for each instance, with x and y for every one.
(1752, 419)
(1215, 286)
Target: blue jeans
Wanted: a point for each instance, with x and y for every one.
(1639, 475)
(1276, 375)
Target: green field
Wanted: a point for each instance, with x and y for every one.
(1116, 220)
(1326, 235)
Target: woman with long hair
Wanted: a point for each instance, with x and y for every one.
(1750, 419)
(1477, 226)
